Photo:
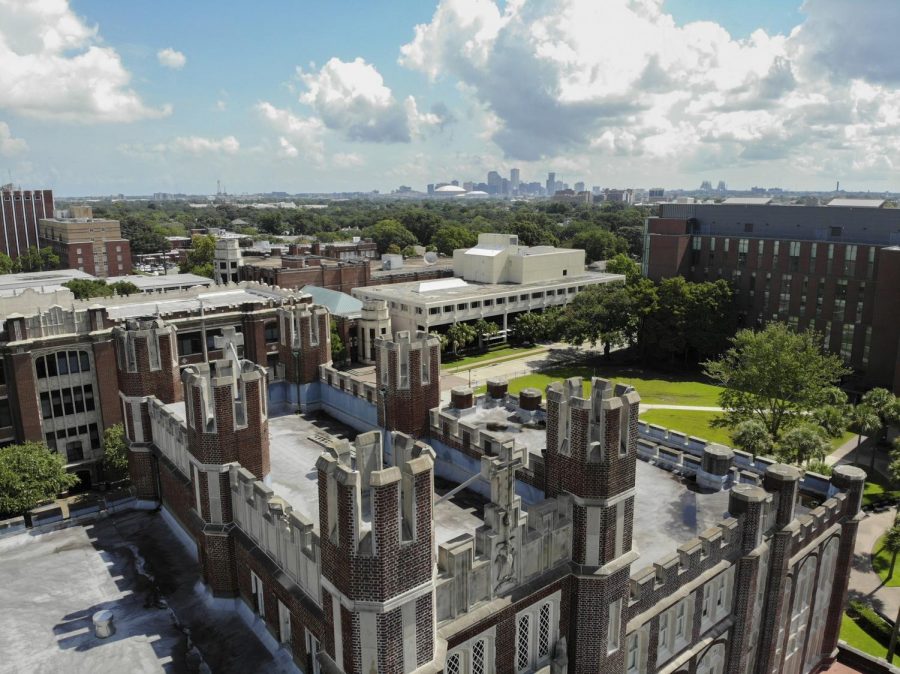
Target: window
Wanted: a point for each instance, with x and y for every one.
(860, 300)
(256, 589)
(190, 343)
(748, 227)
(453, 664)
(5, 413)
(742, 252)
(475, 305)
(523, 298)
(536, 296)
(866, 346)
(489, 303)
(501, 300)
(523, 659)
(544, 631)
(478, 657)
(632, 653)
(847, 335)
(284, 623)
(434, 311)
(448, 309)
(613, 626)
(271, 332)
(462, 307)
(850, 260)
(812, 257)
(835, 231)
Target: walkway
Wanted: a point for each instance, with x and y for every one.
(865, 583)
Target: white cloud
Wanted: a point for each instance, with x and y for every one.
(299, 135)
(10, 146)
(197, 146)
(53, 66)
(351, 97)
(347, 160)
(221, 105)
(170, 58)
(548, 87)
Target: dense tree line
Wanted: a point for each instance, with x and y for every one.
(601, 230)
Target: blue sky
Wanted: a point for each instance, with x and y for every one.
(312, 96)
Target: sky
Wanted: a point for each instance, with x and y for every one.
(100, 97)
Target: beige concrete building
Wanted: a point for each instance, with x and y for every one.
(89, 244)
(496, 280)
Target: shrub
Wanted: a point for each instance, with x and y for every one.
(870, 622)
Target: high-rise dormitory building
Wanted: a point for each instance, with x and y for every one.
(835, 268)
(20, 213)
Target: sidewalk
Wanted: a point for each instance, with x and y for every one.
(865, 583)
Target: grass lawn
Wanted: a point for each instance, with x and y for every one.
(881, 562)
(854, 635)
(689, 422)
(505, 351)
(654, 387)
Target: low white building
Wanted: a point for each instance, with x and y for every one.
(494, 280)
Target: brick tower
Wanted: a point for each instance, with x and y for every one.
(408, 377)
(146, 365)
(591, 453)
(304, 345)
(226, 419)
(377, 531)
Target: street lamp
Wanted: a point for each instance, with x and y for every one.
(296, 353)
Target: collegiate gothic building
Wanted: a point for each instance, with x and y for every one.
(498, 534)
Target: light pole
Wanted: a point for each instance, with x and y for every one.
(296, 353)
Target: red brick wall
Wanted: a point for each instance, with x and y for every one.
(28, 419)
(104, 364)
(407, 409)
(164, 383)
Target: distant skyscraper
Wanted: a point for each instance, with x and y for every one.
(579, 186)
(514, 181)
(20, 211)
(706, 186)
(551, 184)
(495, 182)
(721, 187)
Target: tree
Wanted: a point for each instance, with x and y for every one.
(338, 348)
(30, 474)
(115, 451)
(775, 375)
(450, 237)
(124, 288)
(7, 264)
(484, 329)
(892, 545)
(885, 405)
(803, 443)
(459, 335)
(38, 259)
(600, 313)
(270, 222)
(599, 244)
(200, 256)
(386, 233)
(622, 264)
(752, 436)
(866, 422)
(534, 327)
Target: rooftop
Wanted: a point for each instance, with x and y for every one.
(44, 281)
(669, 511)
(133, 565)
(295, 443)
(420, 292)
(148, 283)
(338, 303)
(857, 203)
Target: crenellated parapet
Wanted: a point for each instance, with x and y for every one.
(408, 372)
(377, 530)
(226, 413)
(305, 341)
(286, 536)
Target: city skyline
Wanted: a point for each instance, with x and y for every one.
(101, 99)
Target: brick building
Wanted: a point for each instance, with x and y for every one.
(92, 245)
(496, 534)
(56, 355)
(20, 212)
(835, 268)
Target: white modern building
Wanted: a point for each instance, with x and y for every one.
(494, 280)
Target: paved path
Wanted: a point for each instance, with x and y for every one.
(684, 408)
(864, 582)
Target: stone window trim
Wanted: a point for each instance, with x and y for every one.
(527, 622)
(469, 651)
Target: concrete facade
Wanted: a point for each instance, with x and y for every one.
(89, 244)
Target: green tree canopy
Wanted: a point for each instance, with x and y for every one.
(803, 443)
(459, 335)
(534, 327)
(600, 313)
(622, 264)
(599, 244)
(774, 375)
(386, 233)
(450, 237)
(38, 259)
(115, 451)
(30, 474)
(200, 256)
(752, 436)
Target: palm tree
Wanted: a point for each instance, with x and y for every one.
(866, 421)
(892, 545)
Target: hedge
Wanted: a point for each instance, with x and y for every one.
(873, 624)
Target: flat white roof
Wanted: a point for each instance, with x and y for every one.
(441, 284)
(748, 201)
(486, 250)
(857, 203)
